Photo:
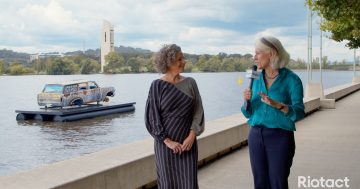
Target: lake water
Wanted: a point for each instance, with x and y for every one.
(28, 144)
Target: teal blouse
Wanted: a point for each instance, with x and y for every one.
(286, 89)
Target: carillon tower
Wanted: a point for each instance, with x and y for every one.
(107, 42)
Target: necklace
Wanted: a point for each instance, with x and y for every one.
(271, 78)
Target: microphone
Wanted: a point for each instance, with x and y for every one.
(252, 74)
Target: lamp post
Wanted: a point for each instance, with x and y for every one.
(309, 69)
(320, 53)
(354, 62)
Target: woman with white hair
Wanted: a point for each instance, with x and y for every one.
(276, 102)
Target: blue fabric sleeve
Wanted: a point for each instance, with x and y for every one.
(247, 114)
(296, 108)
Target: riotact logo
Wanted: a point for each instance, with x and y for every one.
(308, 182)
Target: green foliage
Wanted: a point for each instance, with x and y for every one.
(201, 63)
(213, 64)
(188, 66)
(150, 65)
(297, 64)
(343, 65)
(341, 19)
(223, 63)
(19, 69)
(41, 65)
(228, 64)
(136, 64)
(2, 67)
(115, 62)
(61, 67)
(89, 66)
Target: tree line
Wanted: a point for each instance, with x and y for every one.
(144, 63)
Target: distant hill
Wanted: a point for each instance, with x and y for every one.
(120, 49)
(11, 56)
(131, 50)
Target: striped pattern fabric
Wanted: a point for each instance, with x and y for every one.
(169, 115)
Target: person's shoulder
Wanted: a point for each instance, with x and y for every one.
(292, 78)
(291, 74)
(190, 80)
(156, 83)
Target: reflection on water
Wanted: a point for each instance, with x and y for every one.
(77, 133)
(55, 141)
(27, 144)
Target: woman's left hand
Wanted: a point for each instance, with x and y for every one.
(266, 99)
(189, 141)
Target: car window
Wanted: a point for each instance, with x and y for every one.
(70, 88)
(92, 85)
(53, 89)
(82, 86)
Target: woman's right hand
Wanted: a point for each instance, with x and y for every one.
(247, 94)
(174, 146)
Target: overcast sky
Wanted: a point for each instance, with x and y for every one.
(198, 26)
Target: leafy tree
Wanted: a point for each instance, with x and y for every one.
(89, 66)
(248, 56)
(213, 64)
(188, 66)
(115, 62)
(228, 65)
(150, 65)
(2, 67)
(243, 63)
(40, 65)
(19, 69)
(341, 19)
(297, 64)
(222, 55)
(201, 63)
(136, 64)
(61, 67)
(325, 63)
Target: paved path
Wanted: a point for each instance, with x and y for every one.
(327, 145)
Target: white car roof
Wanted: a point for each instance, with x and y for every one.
(70, 82)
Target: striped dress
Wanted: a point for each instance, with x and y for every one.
(171, 111)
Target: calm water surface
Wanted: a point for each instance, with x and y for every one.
(27, 144)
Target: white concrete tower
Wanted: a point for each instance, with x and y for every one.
(107, 42)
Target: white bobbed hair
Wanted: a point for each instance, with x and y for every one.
(271, 44)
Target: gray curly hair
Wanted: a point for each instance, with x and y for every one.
(165, 57)
(272, 44)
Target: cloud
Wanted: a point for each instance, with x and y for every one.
(51, 17)
(210, 27)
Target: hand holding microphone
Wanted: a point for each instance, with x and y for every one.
(247, 94)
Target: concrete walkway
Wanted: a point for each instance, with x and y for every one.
(327, 145)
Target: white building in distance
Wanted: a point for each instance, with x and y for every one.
(107, 42)
(45, 55)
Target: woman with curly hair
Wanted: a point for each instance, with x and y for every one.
(174, 116)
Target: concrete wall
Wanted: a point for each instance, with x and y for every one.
(341, 91)
(132, 165)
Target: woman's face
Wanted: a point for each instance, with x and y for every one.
(179, 63)
(262, 59)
